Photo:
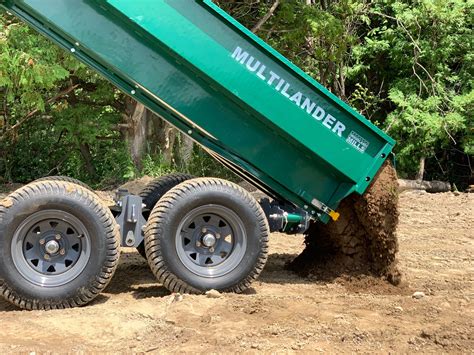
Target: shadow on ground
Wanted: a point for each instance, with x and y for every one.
(134, 276)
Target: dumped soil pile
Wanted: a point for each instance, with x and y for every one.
(362, 241)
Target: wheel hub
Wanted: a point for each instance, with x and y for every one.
(52, 247)
(209, 240)
(50, 251)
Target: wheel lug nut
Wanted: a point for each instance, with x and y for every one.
(46, 257)
(62, 252)
(58, 237)
(42, 241)
(211, 249)
(218, 236)
(204, 230)
(198, 244)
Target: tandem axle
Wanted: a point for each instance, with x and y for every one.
(129, 210)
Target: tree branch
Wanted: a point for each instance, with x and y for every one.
(35, 111)
(266, 17)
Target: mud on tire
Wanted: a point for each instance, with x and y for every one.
(207, 234)
(59, 246)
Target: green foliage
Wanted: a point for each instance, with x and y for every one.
(29, 68)
(407, 65)
(202, 164)
(420, 53)
(423, 127)
(56, 115)
(155, 166)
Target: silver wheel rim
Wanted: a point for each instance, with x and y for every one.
(211, 241)
(51, 248)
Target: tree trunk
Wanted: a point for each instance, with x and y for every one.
(167, 139)
(342, 82)
(145, 129)
(161, 137)
(136, 133)
(87, 157)
(428, 186)
(186, 149)
(421, 170)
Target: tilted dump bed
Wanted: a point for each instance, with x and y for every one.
(201, 70)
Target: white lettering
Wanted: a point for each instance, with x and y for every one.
(319, 113)
(260, 72)
(239, 55)
(280, 84)
(329, 121)
(273, 76)
(308, 105)
(284, 92)
(305, 103)
(339, 127)
(296, 98)
(255, 65)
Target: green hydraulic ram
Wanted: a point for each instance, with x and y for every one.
(251, 108)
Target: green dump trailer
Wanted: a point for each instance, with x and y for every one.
(246, 104)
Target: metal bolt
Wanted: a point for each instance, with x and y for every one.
(209, 240)
(58, 236)
(198, 244)
(204, 230)
(46, 257)
(62, 252)
(133, 92)
(52, 247)
(190, 132)
(211, 249)
(218, 235)
(42, 241)
(77, 44)
(73, 50)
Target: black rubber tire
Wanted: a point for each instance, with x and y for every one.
(66, 179)
(152, 193)
(104, 245)
(160, 236)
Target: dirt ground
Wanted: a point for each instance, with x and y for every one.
(284, 312)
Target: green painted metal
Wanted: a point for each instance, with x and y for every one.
(293, 218)
(201, 70)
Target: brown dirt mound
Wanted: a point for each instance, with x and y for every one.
(362, 241)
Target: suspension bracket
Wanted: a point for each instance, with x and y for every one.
(129, 218)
